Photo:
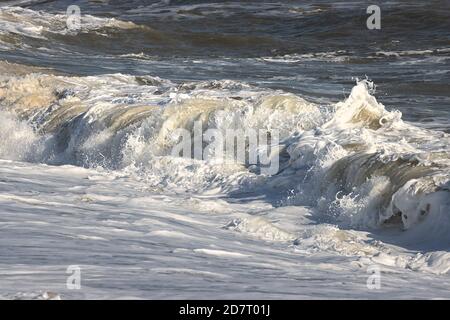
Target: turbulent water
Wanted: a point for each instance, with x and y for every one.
(87, 176)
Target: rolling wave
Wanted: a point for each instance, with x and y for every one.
(357, 163)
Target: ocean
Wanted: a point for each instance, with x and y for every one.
(348, 196)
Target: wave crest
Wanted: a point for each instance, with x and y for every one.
(356, 162)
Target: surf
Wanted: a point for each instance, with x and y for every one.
(359, 164)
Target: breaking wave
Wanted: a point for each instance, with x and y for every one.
(36, 24)
(357, 163)
(25, 29)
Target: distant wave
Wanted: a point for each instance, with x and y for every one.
(26, 29)
(17, 24)
(346, 56)
(20, 28)
(31, 23)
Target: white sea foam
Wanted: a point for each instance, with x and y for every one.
(346, 169)
(17, 21)
(362, 173)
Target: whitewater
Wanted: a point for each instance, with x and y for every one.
(88, 179)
